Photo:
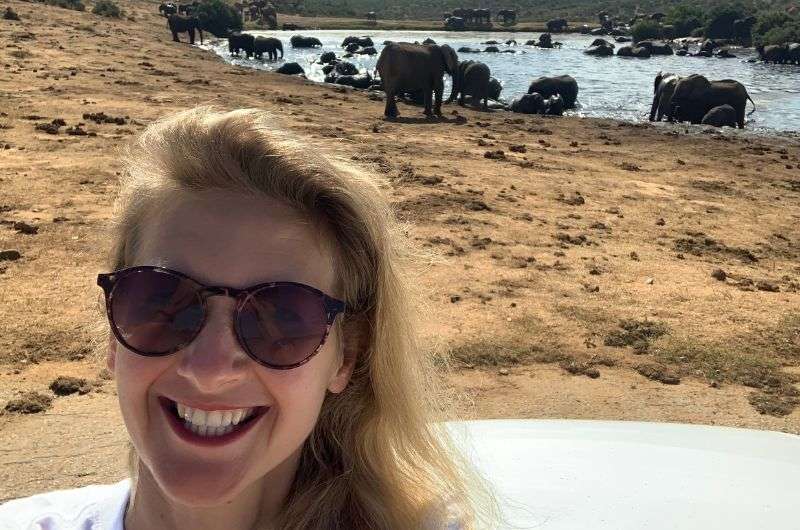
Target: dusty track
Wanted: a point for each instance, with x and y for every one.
(544, 249)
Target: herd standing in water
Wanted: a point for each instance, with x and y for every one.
(414, 71)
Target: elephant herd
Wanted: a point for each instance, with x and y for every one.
(697, 100)
(462, 18)
(787, 53)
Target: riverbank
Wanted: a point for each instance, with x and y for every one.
(578, 262)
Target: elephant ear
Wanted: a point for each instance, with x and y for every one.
(450, 59)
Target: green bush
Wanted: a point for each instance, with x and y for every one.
(685, 18)
(75, 5)
(218, 18)
(646, 29)
(719, 23)
(789, 32)
(770, 22)
(107, 8)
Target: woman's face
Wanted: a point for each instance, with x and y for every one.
(235, 241)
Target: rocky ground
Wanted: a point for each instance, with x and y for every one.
(580, 268)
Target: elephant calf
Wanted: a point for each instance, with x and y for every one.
(536, 104)
(241, 42)
(721, 116)
(472, 79)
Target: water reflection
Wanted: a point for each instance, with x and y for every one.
(611, 87)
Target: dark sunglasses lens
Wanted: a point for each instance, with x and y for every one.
(156, 312)
(283, 325)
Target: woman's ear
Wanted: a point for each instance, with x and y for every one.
(355, 340)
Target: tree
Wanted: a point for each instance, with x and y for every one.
(218, 18)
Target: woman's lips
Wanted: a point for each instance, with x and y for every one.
(179, 427)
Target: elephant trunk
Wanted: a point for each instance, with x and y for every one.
(455, 89)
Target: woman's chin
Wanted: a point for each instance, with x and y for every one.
(199, 485)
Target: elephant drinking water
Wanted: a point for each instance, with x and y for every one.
(407, 67)
(472, 79)
(564, 85)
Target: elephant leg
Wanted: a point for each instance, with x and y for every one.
(654, 108)
(438, 89)
(191, 35)
(461, 99)
(175, 36)
(485, 103)
(740, 116)
(428, 102)
(390, 111)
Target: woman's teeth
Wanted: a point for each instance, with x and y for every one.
(212, 422)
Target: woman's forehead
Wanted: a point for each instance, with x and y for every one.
(236, 240)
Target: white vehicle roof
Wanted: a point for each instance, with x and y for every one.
(594, 475)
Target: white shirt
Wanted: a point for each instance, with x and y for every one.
(96, 507)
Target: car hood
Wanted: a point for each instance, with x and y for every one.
(575, 475)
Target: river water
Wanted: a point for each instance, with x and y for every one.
(610, 87)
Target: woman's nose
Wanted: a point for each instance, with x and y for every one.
(215, 359)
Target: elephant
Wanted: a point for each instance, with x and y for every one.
(773, 53)
(371, 16)
(352, 47)
(724, 53)
(491, 49)
(369, 50)
(271, 45)
(721, 116)
(455, 24)
(511, 42)
(429, 41)
(345, 68)
(563, 85)
(554, 105)
(167, 9)
(545, 41)
(491, 42)
(327, 58)
(188, 9)
(361, 41)
(467, 49)
(483, 17)
(472, 79)
(663, 88)
(188, 24)
(291, 69)
(404, 66)
(631, 51)
(695, 95)
(742, 30)
(509, 16)
(241, 41)
(528, 104)
(556, 25)
(363, 81)
(600, 47)
(656, 48)
(793, 49)
(495, 87)
(709, 45)
(622, 39)
(299, 41)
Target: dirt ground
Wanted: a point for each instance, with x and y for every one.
(577, 261)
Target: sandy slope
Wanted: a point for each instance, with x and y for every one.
(527, 270)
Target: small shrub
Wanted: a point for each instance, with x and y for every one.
(645, 30)
(685, 19)
(107, 8)
(75, 5)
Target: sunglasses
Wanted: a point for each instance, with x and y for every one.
(155, 311)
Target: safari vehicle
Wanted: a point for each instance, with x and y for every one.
(621, 475)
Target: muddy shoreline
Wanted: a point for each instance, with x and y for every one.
(577, 261)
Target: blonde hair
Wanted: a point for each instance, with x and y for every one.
(376, 458)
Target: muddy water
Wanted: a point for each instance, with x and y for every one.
(609, 87)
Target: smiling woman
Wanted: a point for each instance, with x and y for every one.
(263, 342)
